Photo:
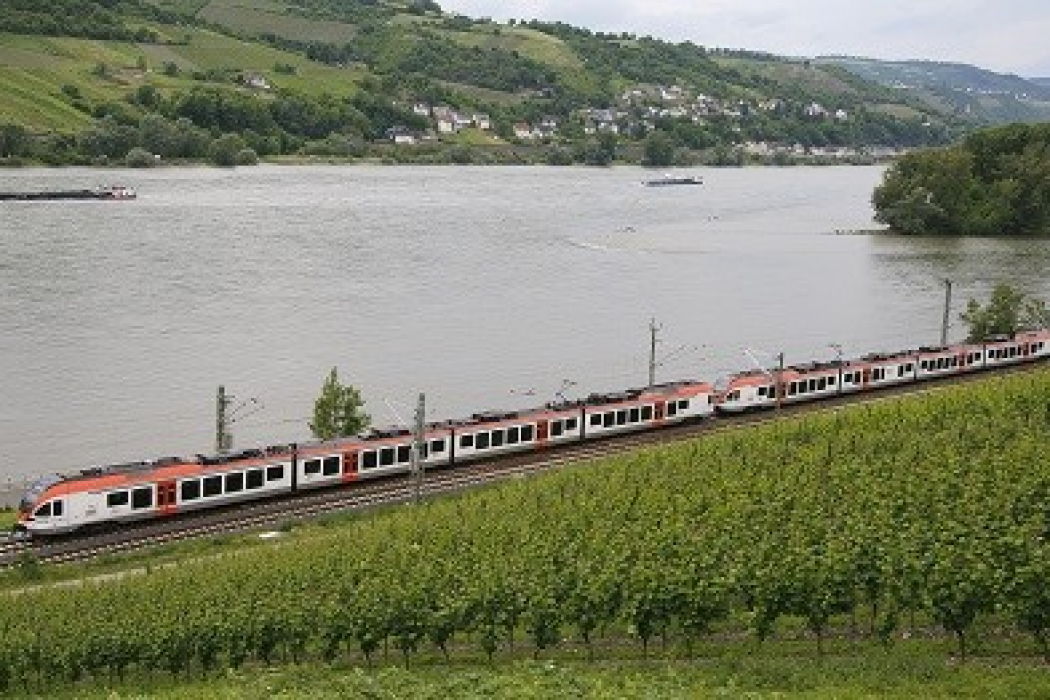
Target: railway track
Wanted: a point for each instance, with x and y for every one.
(369, 494)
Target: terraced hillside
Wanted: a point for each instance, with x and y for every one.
(364, 73)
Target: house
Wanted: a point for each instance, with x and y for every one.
(255, 81)
(421, 109)
(401, 135)
(524, 132)
(816, 110)
(482, 121)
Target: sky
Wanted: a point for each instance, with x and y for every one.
(1006, 36)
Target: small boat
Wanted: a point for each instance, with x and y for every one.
(674, 180)
(59, 195)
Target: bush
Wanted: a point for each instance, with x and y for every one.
(246, 156)
(139, 158)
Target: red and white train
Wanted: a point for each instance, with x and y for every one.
(103, 496)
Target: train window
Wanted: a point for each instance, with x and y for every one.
(466, 440)
(212, 485)
(792, 389)
(832, 381)
(647, 412)
(404, 453)
(56, 509)
(117, 498)
(191, 490)
(570, 424)
(235, 482)
(672, 408)
(43, 511)
(683, 405)
(814, 384)
(369, 460)
(609, 419)
(621, 417)
(331, 466)
(276, 472)
(527, 432)
(772, 392)
(822, 384)
(634, 415)
(556, 428)
(255, 479)
(312, 467)
(497, 438)
(482, 441)
(142, 498)
(513, 435)
(386, 456)
(437, 446)
(596, 419)
(762, 392)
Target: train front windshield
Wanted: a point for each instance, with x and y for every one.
(29, 498)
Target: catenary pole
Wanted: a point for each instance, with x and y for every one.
(947, 311)
(418, 449)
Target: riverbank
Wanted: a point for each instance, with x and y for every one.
(502, 154)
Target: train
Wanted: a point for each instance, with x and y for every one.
(99, 497)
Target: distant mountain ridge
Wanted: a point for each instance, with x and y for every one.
(971, 92)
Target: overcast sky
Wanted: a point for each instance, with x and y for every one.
(1008, 36)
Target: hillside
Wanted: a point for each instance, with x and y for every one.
(369, 79)
(972, 93)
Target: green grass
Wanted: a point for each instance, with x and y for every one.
(260, 18)
(31, 98)
(790, 73)
(530, 43)
(896, 673)
(34, 69)
(7, 519)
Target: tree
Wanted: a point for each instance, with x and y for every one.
(337, 411)
(659, 149)
(1006, 312)
(224, 150)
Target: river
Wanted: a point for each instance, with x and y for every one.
(484, 287)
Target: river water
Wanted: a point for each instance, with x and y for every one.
(484, 287)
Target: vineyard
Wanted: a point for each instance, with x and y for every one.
(866, 518)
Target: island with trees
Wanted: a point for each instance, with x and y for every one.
(996, 182)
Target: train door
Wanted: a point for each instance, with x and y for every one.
(350, 465)
(542, 433)
(865, 377)
(166, 497)
(659, 411)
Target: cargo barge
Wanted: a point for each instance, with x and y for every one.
(62, 195)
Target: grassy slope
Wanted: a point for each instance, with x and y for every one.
(262, 18)
(34, 69)
(756, 675)
(731, 664)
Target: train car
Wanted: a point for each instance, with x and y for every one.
(757, 389)
(137, 491)
(652, 407)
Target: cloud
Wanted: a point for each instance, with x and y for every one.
(1008, 35)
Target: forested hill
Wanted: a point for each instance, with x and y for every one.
(84, 80)
(974, 94)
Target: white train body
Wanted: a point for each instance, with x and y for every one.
(123, 493)
(758, 389)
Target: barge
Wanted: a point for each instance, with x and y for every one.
(62, 195)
